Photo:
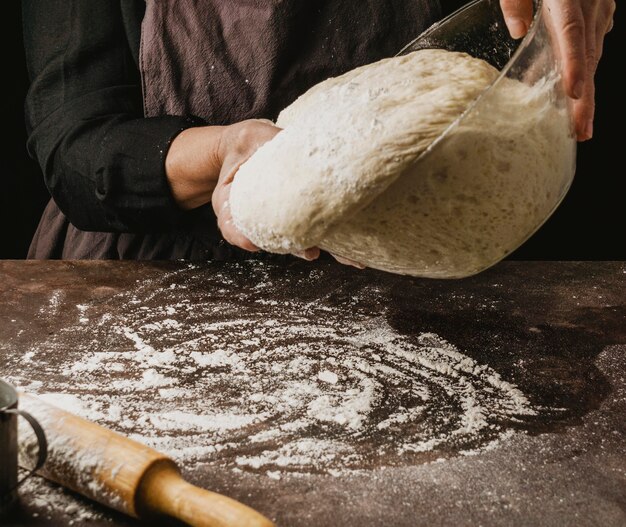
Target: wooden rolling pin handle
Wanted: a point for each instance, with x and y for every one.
(163, 492)
(126, 475)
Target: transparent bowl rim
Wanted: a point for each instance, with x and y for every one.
(521, 48)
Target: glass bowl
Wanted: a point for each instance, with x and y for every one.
(494, 176)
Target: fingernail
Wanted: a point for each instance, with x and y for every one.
(308, 254)
(517, 27)
(589, 130)
(579, 88)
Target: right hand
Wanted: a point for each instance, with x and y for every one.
(579, 28)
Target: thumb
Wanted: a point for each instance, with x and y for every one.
(518, 15)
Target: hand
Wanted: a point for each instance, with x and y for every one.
(201, 165)
(314, 252)
(580, 27)
(238, 144)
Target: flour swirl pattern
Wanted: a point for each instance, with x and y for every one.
(261, 385)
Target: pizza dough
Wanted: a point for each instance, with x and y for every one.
(344, 173)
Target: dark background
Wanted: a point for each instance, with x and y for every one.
(592, 213)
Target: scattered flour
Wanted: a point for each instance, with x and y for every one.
(43, 498)
(290, 386)
(54, 302)
(279, 388)
(328, 376)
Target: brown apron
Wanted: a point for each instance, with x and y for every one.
(226, 61)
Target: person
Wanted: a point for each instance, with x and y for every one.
(140, 113)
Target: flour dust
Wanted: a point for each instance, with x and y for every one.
(208, 371)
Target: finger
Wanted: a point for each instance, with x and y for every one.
(231, 169)
(347, 261)
(225, 223)
(569, 22)
(310, 254)
(265, 121)
(232, 164)
(584, 109)
(242, 142)
(230, 232)
(253, 135)
(518, 15)
(601, 31)
(609, 15)
(611, 24)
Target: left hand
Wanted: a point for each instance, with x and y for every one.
(580, 27)
(314, 252)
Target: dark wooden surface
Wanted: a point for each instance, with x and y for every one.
(556, 330)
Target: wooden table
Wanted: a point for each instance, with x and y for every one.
(538, 348)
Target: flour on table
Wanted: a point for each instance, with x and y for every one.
(45, 499)
(291, 387)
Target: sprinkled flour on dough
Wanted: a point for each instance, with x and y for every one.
(350, 172)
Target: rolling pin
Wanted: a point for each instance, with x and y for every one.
(124, 474)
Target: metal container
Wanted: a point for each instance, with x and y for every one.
(9, 413)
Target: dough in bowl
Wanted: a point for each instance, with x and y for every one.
(343, 174)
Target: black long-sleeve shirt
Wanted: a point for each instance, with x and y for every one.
(103, 162)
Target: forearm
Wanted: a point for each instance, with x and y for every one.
(103, 162)
(108, 173)
(107, 167)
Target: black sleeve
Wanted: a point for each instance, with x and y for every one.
(103, 162)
